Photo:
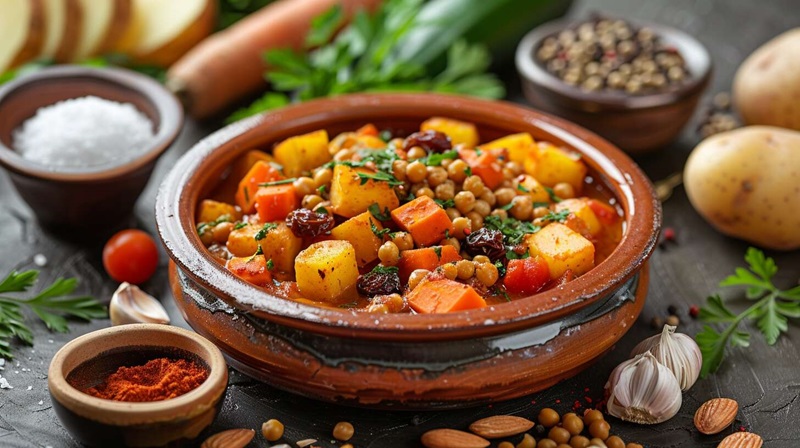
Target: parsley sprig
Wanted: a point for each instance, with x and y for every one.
(556, 216)
(50, 305)
(379, 176)
(513, 230)
(771, 311)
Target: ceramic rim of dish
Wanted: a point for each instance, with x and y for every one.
(165, 103)
(125, 413)
(691, 49)
(175, 219)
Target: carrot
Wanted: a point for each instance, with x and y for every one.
(248, 187)
(275, 202)
(246, 161)
(426, 258)
(250, 269)
(228, 66)
(444, 296)
(424, 220)
(368, 129)
(486, 164)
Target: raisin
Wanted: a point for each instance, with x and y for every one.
(432, 141)
(485, 241)
(305, 222)
(379, 282)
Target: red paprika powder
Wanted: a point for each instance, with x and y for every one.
(158, 379)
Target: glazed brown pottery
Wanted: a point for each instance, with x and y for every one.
(98, 422)
(636, 124)
(74, 201)
(404, 360)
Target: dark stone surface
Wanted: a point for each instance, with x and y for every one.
(764, 380)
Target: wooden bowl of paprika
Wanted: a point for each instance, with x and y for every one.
(137, 385)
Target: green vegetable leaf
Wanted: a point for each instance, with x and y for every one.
(379, 176)
(239, 225)
(378, 232)
(445, 203)
(771, 322)
(512, 229)
(381, 269)
(375, 211)
(715, 311)
(556, 216)
(270, 264)
(266, 228)
(18, 281)
(324, 26)
(278, 182)
(552, 194)
(436, 158)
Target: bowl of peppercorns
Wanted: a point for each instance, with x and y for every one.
(635, 84)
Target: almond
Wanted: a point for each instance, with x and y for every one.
(741, 440)
(715, 415)
(232, 438)
(500, 426)
(451, 438)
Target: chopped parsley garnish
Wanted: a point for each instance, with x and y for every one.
(270, 264)
(468, 171)
(552, 194)
(322, 189)
(522, 188)
(378, 232)
(447, 233)
(375, 211)
(261, 234)
(203, 227)
(511, 255)
(260, 251)
(379, 176)
(278, 182)
(448, 203)
(556, 216)
(438, 251)
(541, 204)
(435, 159)
(501, 269)
(508, 206)
(478, 152)
(239, 225)
(512, 229)
(381, 269)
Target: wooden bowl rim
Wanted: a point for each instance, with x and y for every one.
(122, 413)
(167, 106)
(176, 227)
(689, 46)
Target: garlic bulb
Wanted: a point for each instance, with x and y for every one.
(677, 352)
(131, 305)
(641, 390)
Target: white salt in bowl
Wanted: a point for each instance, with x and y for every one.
(80, 200)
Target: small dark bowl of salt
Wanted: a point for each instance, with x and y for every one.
(80, 143)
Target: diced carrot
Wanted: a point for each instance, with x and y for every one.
(426, 258)
(246, 161)
(444, 296)
(275, 202)
(248, 187)
(250, 269)
(424, 220)
(485, 164)
(604, 212)
(368, 129)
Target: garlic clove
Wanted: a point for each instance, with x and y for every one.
(131, 305)
(677, 352)
(643, 391)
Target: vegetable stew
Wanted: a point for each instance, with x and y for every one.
(432, 222)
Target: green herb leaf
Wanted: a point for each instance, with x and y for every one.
(378, 232)
(556, 216)
(321, 189)
(375, 211)
(270, 264)
(468, 171)
(261, 234)
(552, 194)
(278, 182)
(511, 255)
(240, 225)
(381, 269)
(522, 188)
(438, 251)
(445, 203)
(379, 176)
(436, 158)
(204, 227)
(512, 229)
(541, 204)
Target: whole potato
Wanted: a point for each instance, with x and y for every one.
(746, 183)
(766, 89)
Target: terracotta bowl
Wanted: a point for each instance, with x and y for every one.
(83, 201)
(636, 124)
(403, 360)
(98, 422)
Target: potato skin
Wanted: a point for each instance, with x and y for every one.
(766, 89)
(746, 183)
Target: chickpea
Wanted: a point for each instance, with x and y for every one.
(487, 273)
(522, 208)
(323, 176)
(416, 153)
(578, 442)
(425, 191)
(481, 259)
(500, 213)
(436, 176)
(508, 174)
(445, 191)
(515, 168)
(396, 142)
(527, 442)
(482, 207)
(564, 190)
(615, 442)
(592, 415)
(540, 212)
(476, 219)
(445, 163)
(272, 430)
(416, 172)
(461, 225)
(451, 242)
(573, 424)
(457, 170)
(399, 168)
(489, 197)
(378, 308)
(416, 276)
(311, 201)
(465, 201)
(599, 429)
(465, 269)
(474, 184)
(452, 213)
(546, 443)
(449, 270)
(549, 417)
(505, 444)
(504, 196)
(221, 231)
(343, 431)
(403, 241)
(389, 254)
(595, 442)
(304, 186)
(207, 237)
(559, 434)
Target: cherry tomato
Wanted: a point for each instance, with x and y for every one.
(130, 256)
(526, 276)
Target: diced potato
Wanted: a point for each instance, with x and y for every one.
(555, 165)
(210, 211)
(521, 147)
(246, 161)
(279, 244)
(460, 132)
(581, 209)
(535, 190)
(303, 152)
(350, 198)
(327, 271)
(562, 248)
(242, 242)
(358, 232)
